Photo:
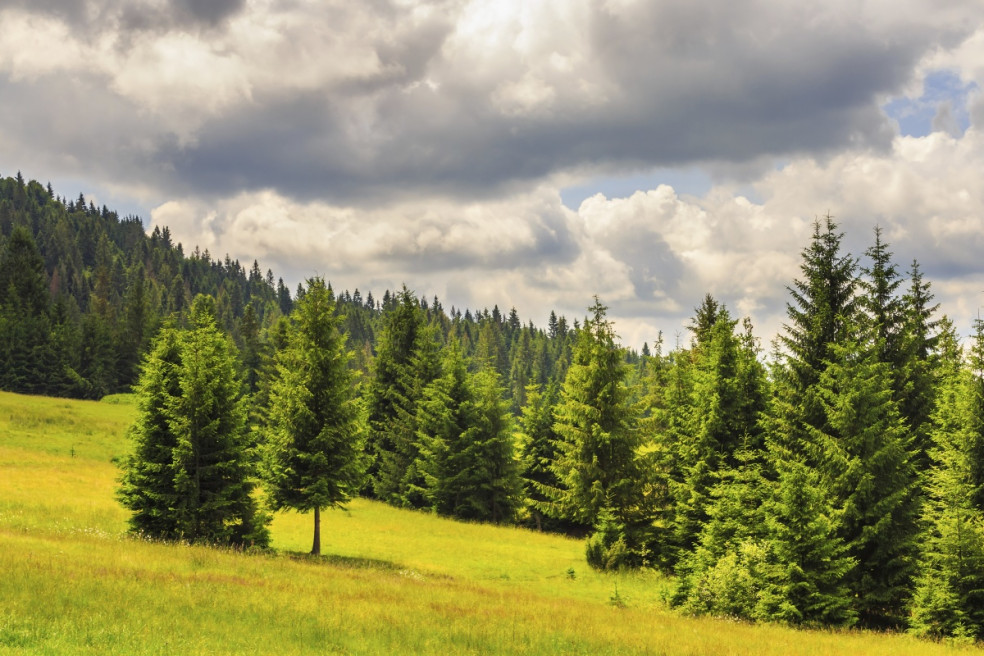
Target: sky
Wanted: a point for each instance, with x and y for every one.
(527, 154)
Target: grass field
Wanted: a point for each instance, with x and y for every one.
(72, 582)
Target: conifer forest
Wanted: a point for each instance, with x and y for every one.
(832, 478)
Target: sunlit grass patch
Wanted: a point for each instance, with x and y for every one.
(392, 581)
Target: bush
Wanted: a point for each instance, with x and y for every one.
(732, 586)
(606, 549)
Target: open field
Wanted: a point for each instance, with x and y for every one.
(392, 582)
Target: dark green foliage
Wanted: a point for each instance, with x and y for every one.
(666, 399)
(405, 364)
(23, 282)
(314, 446)
(725, 573)
(491, 487)
(809, 562)
(112, 282)
(538, 451)
(823, 306)
(884, 311)
(836, 412)
(900, 332)
(192, 407)
(919, 376)
(148, 482)
(465, 444)
(727, 395)
(598, 464)
(867, 467)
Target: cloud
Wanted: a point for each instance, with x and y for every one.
(650, 256)
(366, 103)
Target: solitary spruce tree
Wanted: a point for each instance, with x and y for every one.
(315, 430)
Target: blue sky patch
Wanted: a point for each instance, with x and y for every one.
(943, 105)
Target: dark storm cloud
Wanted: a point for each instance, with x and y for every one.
(210, 12)
(419, 113)
(691, 83)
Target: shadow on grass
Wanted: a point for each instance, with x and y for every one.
(351, 562)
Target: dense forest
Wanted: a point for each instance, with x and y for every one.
(83, 292)
(839, 481)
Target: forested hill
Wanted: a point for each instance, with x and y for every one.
(842, 484)
(83, 291)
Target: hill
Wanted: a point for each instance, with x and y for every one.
(394, 581)
(83, 292)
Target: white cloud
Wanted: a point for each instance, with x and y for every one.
(651, 256)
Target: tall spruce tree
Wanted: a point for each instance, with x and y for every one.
(466, 444)
(806, 582)
(538, 450)
(597, 460)
(492, 488)
(214, 467)
(884, 311)
(314, 448)
(920, 341)
(727, 397)
(867, 466)
(667, 398)
(404, 365)
(192, 474)
(823, 307)
(443, 418)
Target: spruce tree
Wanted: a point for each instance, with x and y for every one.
(404, 365)
(314, 448)
(214, 468)
(490, 485)
(597, 461)
(823, 307)
(466, 444)
(538, 450)
(443, 418)
(726, 572)
(191, 475)
(23, 281)
(867, 468)
(949, 593)
(884, 311)
(920, 340)
(727, 396)
(806, 582)
(148, 487)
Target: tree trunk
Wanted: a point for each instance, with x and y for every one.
(316, 548)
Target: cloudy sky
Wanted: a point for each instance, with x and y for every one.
(520, 153)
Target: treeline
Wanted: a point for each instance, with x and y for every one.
(838, 481)
(83, 292)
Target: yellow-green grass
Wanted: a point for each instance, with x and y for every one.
(393, 581)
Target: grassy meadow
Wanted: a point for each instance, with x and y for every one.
(72, 582)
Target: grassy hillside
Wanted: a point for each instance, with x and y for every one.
(393, 581)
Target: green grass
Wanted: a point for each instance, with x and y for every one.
(72, 582)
